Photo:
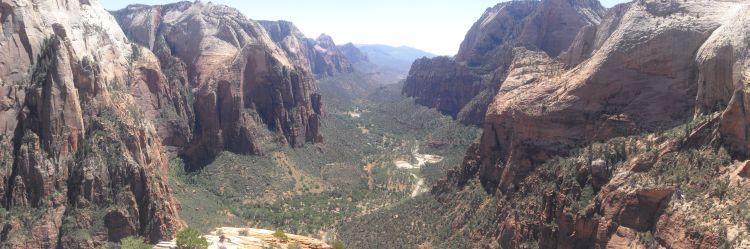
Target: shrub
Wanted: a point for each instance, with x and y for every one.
(338, 245)
(279, 234)
(134, 242)
(190, 238)
(135, 54)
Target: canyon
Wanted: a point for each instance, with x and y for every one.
(558, 124)
(605, 109)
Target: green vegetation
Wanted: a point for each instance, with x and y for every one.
(697, 174)
(189, 238)
(134, 242)
(647, 239)
(426, 219)
(316, 188)
(45, 61)
(308, 213)
(135, 53)
(280, 235)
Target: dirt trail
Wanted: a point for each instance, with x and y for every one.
(417, 189)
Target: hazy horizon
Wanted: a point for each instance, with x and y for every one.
(434, 26)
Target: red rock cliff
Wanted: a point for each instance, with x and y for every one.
(78, 148)
(320, 55)
(244, 84)
(648, 66)
(463, 86)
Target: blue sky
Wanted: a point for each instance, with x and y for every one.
(436, 26)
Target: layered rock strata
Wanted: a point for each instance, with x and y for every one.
(80, 155)
(321, 55)
(463, 86)
(249, 93)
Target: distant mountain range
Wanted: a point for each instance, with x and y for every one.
(396, 58)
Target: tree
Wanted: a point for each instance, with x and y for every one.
(134, 242)
(190, 238)
(135, 53)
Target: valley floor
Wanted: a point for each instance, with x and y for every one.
(380, 150)
(365, 185)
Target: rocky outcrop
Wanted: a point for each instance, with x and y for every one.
(627, 85)
(647, 67)
(723, 76)
(460, 86)
(244, 85)
(252, 238)
(486, 53)
(77, 143)
(320, 55)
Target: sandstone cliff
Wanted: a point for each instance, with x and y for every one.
(642, 78)
(244, 85)
(463, 86)
(320, 55)
(648, 69)
(81, 161)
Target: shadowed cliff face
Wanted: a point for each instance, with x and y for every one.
(244, 85)
(463, 86)
(80, 154)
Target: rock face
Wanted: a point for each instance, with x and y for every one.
(644, 70)
(724, 73)
(89, 118)
(320, 55)
(450, 97)
(244, 85)
(648, 66)
(463, 86)
(77, 140)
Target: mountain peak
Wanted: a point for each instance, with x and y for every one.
(354, 54)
